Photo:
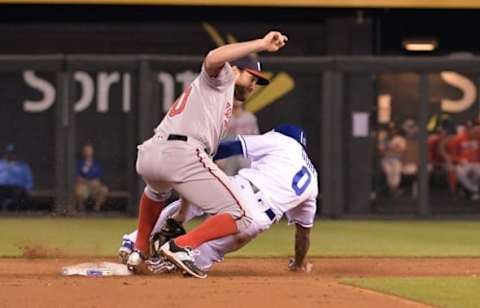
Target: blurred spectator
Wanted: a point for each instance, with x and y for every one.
(88, 184)
(16, 180)
(435, 159)
(392, 148)
(468, 160)
(243, 122)
(437, 141)
(411, 155)
(411, 158)
(447, 150)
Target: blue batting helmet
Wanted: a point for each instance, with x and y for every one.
(294, 132)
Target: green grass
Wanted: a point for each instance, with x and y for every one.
(81, 237)
(452, 292)
(101, 237)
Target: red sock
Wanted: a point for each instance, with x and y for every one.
(212, 228)
(147, 217)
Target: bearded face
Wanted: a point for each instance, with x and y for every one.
(241, 93)
(245, 84)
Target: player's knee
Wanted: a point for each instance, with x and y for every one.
(157, 196)
(243, 223)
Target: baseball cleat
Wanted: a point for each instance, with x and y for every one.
(126, 248)
(181, 257)
(161, 266)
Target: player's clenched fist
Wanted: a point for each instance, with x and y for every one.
(274, 40)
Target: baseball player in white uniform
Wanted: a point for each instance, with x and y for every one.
(178, 156)
(281, 180)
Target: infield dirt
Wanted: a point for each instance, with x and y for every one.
(36, 282)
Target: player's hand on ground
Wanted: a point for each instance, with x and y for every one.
(274, 40)
(306, 267)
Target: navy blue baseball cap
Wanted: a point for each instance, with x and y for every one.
(251, 65)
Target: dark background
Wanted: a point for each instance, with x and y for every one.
(174, 30)
(313, 32)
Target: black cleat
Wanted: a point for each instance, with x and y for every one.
(182, 257)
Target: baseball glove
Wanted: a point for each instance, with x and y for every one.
(170, 230)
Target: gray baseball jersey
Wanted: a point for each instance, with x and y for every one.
(203, 110)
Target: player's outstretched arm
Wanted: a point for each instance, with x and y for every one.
(302, 244)
(216, 58)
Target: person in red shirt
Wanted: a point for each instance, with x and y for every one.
(467, 160)
(448, 145)
(435, 159)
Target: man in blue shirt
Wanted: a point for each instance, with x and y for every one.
(88, 184)
(16, 180)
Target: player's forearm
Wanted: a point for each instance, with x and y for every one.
(218, 57)
(302, 244)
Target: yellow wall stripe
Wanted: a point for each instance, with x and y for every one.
(214, 35)
(281, 84)
(452, 4)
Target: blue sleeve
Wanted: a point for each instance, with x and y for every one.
(228, 148)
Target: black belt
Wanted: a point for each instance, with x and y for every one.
(268, 212)
(184, 138)
(177, 137)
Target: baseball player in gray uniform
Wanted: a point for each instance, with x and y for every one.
(178, 156)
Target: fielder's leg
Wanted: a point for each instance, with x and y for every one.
(149, 211)
(216, 195)
(158, 265)
(151, 205)
(127, 246)
(213, 193)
